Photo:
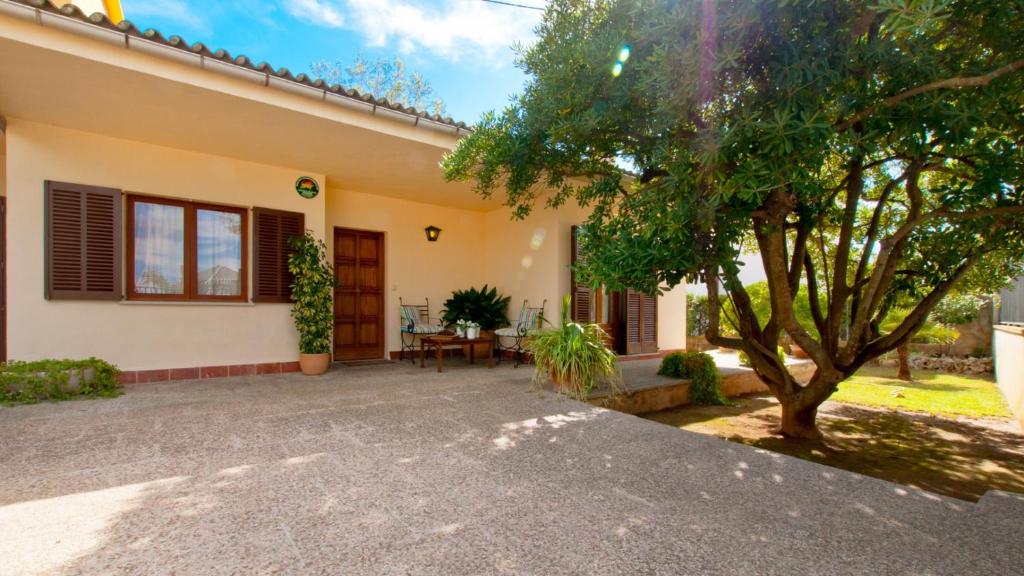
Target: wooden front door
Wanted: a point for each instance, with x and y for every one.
(359, 297)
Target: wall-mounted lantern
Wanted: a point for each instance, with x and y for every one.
(433, 232)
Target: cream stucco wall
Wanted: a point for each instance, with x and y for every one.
(530, 259)
(1008, 351)
(525, 259)
(136, 335)
(415, 269)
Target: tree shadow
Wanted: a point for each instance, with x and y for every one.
(961, 458)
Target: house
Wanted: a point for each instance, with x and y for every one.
(150, 185)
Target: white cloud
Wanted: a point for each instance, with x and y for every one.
(318, 12)
(177, 11)
(454, 29)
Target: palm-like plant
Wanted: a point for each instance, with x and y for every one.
(485, 307)
(573, 355)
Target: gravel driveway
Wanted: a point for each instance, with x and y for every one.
(396, 470)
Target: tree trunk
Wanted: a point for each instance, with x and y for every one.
(903, 351)
(799, 421)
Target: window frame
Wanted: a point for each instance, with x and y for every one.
(190, 277)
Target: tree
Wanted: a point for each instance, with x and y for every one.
(383, 78)
(871, 149)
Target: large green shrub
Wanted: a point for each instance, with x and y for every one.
(485, 307)
(572, 355)
(958, 308)
(30, 382)
(700, 369)
(312, 293)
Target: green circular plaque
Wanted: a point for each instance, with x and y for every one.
(307, 187)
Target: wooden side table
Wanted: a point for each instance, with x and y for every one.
(438, 343)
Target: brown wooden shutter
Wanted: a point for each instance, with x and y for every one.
(271, 230)
(83, 242)
(649, 324)
(582, 295)
(641, 323)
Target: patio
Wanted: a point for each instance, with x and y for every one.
(392, 469)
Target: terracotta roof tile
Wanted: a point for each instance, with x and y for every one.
(130, 30)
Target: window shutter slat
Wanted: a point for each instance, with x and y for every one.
(83, 242)
(272, 228)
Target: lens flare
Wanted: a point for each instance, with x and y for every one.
(538, 238)
(624, 54)
(617, 69)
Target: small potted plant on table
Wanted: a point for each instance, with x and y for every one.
(313, 308)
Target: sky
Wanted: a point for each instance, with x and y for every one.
(463, 47)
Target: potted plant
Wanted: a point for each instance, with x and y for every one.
(573, 356)
(313, 308)
(485, 308)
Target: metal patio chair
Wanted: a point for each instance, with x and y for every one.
(528, 322)
(416, 321)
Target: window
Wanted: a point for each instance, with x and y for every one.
(186, 251)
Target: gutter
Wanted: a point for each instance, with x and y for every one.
(71, 19)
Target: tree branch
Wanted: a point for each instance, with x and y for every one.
(948, 83)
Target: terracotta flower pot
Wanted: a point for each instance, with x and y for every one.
(314, 364)
(797, 351)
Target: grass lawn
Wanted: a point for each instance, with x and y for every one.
(931, 392)
(948, 434)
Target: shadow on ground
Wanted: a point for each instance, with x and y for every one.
(962, 458)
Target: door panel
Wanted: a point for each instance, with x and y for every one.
(359, 297)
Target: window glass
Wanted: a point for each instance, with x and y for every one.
(218, 253)
(159, 249)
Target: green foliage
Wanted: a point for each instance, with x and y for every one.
(383, 78)
(312, 293)
(30, 382)
(760, 301)
(700, 369)
(697, 319)
(484, 306)
(573, 355)
(929, 333)
(958, 308)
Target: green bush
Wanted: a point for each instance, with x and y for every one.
(700, 369)
(485, 307)
(30, 382)
(958, 309)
